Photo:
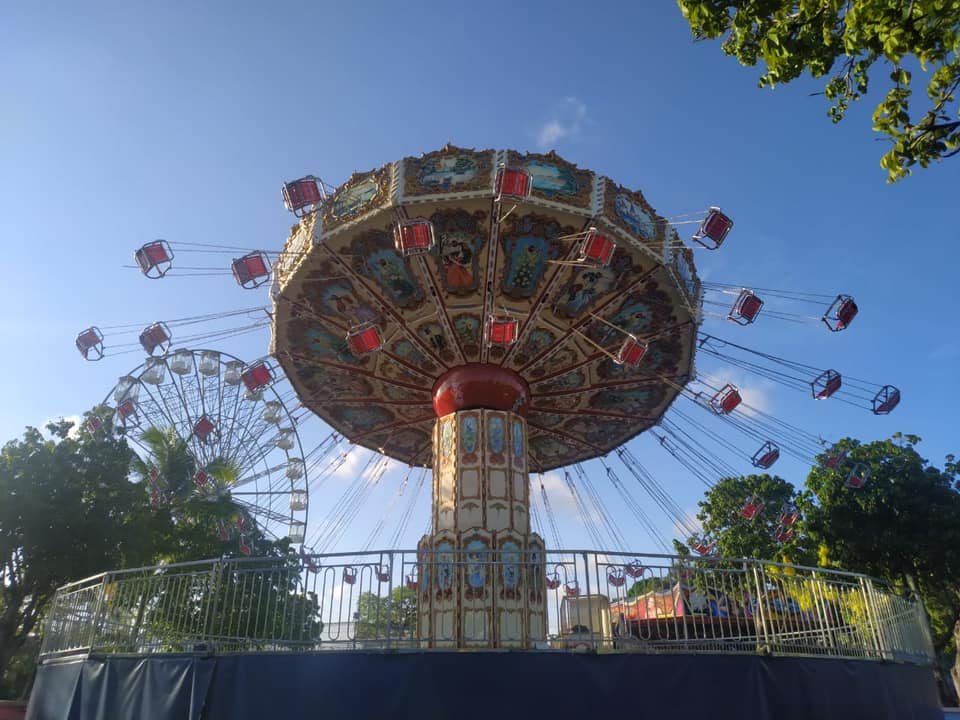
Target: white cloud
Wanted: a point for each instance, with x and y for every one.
(550, 132)
(355, 460)
(755, 393)
(565, 121)
(557, 492)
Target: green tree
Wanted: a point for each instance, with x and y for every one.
(373, 611)
(67, 512)
(737, 536)
(845, 41)
(70, 510)
(651, 583)
(903, 526)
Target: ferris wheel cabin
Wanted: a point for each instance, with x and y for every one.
(713, 229)
(154, 259)
(513, 184)
(252, 270)
(597, 249)
(726, 400)
(303, 195)
(841, 313)
(413, 237)
(886, 400)
(90, 343)
(826, 384)
(745, 308)
(766, 456)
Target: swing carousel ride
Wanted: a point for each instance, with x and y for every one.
(487, 314)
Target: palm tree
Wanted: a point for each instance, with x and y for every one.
(170, 472)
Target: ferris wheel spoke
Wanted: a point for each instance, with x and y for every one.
(263, 513)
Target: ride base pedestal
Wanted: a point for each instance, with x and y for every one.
(481, 584)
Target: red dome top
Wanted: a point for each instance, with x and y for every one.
(480, 385)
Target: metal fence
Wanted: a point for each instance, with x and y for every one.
(596, 601)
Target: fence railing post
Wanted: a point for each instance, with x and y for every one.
(759, 612)
(389, 637)
(99, 611)
(211, 614)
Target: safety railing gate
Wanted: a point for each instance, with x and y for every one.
(596, 601)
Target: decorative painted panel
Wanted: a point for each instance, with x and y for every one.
(556, 179)
(450, 170)
(360, 194)
(530, 243)
(430, 310)
(460, 238)
(375, 258)
(630, 211)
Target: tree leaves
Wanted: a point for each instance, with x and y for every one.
(820, 37)
(903, 526)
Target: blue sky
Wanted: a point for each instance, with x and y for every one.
(123, 122)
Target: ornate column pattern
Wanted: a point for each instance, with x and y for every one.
(481, 583)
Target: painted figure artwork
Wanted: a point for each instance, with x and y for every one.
(535, 569)
(460, 236)
(528, 248)
(433, 335)
(634, 316)
(362, 418)
(408, 440)
(549, 447)
(555, 360)
(375, 258)
(324, 344)
(352, 200)
(683, 264)
(476, 557)
(517, 441)
(338, 298)
(495, 425)
(552, 180)
(341, 384)
(588, 284)
(510, 560)
(558, 402)
(527, 258)
(445, 172)
(535, 342)
(633, 401)
(412, 354)
(546, 419)
(468, 330)
(635, 216)
(568, 381)
(594, 429)
(392, 370)
(446, 438)
(399, 393)
(444, 566)
(469, 430)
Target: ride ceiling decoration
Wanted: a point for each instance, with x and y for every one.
(491, 263)
(567, 281)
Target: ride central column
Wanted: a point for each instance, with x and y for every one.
(481, 570)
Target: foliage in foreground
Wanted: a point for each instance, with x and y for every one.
(846, 41)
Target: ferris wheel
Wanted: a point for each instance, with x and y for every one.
(236, 428)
